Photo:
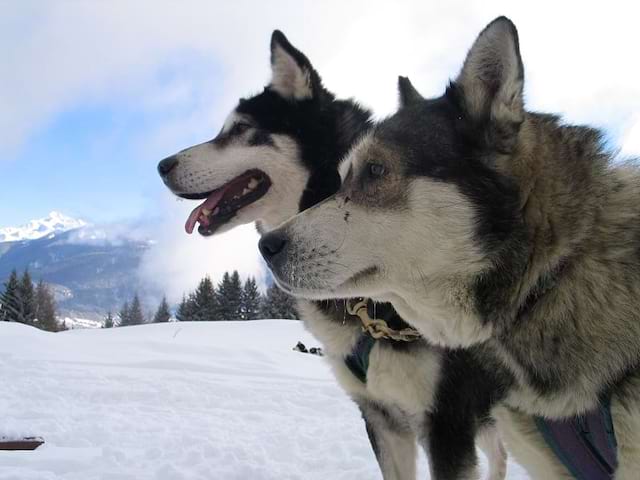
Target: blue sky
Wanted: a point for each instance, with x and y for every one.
(90, 160)
(93, 94)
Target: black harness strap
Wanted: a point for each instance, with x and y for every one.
(358, 360)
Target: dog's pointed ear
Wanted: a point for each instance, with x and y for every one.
(292, 75)
(491, 84)
(407, 93)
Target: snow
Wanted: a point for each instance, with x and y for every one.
(48, 226)
(206, 400)
(74, 322)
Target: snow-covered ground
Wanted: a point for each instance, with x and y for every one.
(214, 401)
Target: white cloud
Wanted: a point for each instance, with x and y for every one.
(176, 262)
(111, 234)
(580, 60)
(65, 53)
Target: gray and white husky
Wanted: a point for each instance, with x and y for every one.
(278, 154)
(485, 224)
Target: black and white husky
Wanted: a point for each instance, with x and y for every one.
(483, 223)
(278, 154)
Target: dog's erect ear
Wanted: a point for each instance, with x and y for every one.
(408, 94)
(491, 83)
(292, 75)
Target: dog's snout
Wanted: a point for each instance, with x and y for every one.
(166, 165)
(271, 245)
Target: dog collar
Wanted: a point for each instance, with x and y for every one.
(586, 444)
(379, 328)
(373, 329)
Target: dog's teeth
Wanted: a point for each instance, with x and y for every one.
(245, 191)
(253, 183)
(206, 212)
(236, 197)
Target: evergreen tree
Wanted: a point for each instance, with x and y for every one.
(124, 315)
(234, 297)
(108, 321)
(45, 309)
(10, 310)
(277, 304)
(163, 314)
(206, 304)
(136, 317)
(27, 299)
(251, 299)
(230, 296)
(221, 294)
(186, 309)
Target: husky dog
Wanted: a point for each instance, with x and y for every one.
(278, 154)
(483, 222)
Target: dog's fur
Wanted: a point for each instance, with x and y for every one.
(415, 393)
(482, 222)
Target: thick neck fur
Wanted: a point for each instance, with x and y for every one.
(564, 181)
(561, 296)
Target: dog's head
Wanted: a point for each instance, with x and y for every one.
(276, 154)
(423, 197)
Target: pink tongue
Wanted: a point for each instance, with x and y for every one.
(210, 203)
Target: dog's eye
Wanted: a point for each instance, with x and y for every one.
(239, 128)
(376, 170)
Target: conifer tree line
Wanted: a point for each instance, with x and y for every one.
(229, 300)
(23, 303)
(233, 300)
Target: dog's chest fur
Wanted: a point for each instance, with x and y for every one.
(404, 379)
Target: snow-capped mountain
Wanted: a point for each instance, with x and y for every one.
(90, 268)
(55, 222)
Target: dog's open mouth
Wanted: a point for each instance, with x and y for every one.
(222, 204)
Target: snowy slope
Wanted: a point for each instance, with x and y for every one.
(55, 222)
(209, 401)
(75, 322)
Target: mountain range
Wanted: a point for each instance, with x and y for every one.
(55, 222)
(90, 269)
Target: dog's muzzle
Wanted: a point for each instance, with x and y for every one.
(165, 166)
(273, 247)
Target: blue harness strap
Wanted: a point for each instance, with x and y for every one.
(358, 360)
(586, 444)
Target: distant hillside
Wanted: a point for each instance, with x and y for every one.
(89, 274)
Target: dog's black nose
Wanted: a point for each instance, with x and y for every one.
(271, 245)
(166, 165)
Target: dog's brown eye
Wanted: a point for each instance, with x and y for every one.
(376, 170)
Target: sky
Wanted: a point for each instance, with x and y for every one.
(93, 94)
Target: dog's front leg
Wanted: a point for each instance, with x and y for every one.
(489, 440)
(392, 440)
(450, 442)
